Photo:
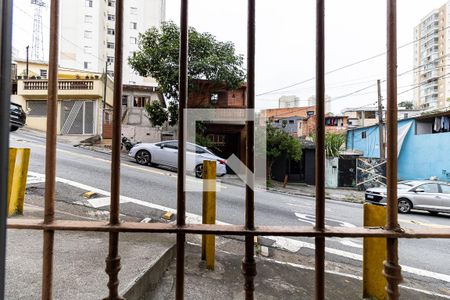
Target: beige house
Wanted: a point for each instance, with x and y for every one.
(81, 97)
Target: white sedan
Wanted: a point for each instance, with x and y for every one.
(166, 153)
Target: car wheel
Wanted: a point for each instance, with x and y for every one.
(433, 213)
(199, 171)
(143, 157)
(404, 206)
(13, 128)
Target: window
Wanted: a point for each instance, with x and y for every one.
(429, 188)
(171, 145)
(88, 3)
(87, 49)
(133, 10)
(133, 25)
(133, 40)
(37, 108)
(111, 3)
(87, 34)
(43, 73)
(87, 19)
(370, 115)
(111, 17)
(110, 59)
(291, 121)
(87, 64)
(110, 31)
(445, 188)
(363, 134)
(110, 45)
(214, 98)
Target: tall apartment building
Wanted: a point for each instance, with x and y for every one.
(431, 57)
(88, 28)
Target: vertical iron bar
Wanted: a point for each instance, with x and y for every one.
(113, 260)
(392, 270)
(320, 149)
(50, 152)
(248, 263)
(181, 194)
(6, 15)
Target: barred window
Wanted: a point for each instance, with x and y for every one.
(37, 108)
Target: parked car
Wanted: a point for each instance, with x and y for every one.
(432, 196)
(166, 153)
(17, 117)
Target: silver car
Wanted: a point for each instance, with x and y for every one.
(166, 153)
(432, 196)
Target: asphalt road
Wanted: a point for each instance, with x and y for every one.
(158, 186)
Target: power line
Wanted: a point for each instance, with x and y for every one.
(349, 65)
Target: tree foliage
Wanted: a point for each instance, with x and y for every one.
(156, 113)
(209, 59)
(333, 143)
(280, 143)
(173, 113)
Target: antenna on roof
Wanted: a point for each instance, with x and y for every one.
(37, 45)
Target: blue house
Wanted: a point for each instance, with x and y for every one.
(423, 146)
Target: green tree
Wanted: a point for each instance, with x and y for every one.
(209, 59)
(280, 143)
(173, 113)
(156, 113)
(333, 143)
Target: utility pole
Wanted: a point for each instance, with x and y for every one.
(28, 55)
(380, 121)
(105, 85)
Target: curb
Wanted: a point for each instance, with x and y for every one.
(149, 279)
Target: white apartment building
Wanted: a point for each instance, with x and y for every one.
(87, 34)
(431, 60)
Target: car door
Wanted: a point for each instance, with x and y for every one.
(169, 154)
(427, 196)
(445, 196)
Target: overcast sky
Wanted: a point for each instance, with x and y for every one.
(285, 53)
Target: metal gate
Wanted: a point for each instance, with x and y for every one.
(77, 117)
(392, 231)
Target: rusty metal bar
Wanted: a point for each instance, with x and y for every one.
(392, 269)
(6, 14)
(248, 263)
(181, 179)
(50, 152)
(320, 150)
(306, 231)
(113, 260)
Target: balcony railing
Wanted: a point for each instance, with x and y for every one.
(42, 85)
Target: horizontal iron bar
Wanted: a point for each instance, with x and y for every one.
(306, 231)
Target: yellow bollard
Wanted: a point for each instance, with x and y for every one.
(19, 159)
(209, 212)
(374, 254)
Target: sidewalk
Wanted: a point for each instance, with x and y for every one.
(79, 259)
(300, 189)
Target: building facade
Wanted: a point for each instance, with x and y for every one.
(368, 116)
(81, 98)
(88, 29)
(422, 146)
(431, 49)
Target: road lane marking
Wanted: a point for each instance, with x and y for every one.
(280, 242)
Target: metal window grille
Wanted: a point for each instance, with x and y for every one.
(37, 108)
(320, 232)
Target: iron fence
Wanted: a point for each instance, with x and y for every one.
(114, 227)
